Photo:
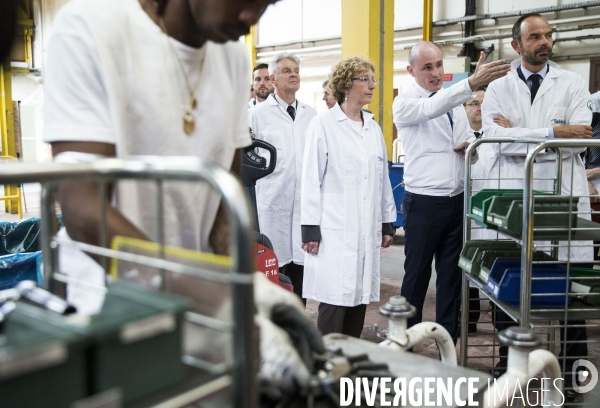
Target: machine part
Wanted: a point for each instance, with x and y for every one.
(40, 297)
(401, 338)
(524, 363)
(5, 309)
(9, 294)
(254, 167)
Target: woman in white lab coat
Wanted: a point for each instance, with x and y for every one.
(347, 202)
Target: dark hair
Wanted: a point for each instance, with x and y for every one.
(260, 66)
(481, 88)
(160, 6)
(516, 30)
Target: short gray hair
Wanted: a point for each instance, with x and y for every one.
(281, 56)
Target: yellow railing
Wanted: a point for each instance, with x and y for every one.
(16, 196)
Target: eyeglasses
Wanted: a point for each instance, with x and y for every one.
(365, 79)
(473, 104)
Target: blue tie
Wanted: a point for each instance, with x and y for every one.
(447, 113)
(291, 111)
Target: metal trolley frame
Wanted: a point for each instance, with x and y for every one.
(76, 168)
(525, 315)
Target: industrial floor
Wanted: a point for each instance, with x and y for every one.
(482, 345)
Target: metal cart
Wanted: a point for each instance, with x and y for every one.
(203, 379)
(543, 319)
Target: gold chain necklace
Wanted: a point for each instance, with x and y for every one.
(189, 123)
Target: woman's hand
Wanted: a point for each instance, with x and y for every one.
(386, 241)
(311, 247)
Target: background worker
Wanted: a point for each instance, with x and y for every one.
(347, 202)
(537, 94)
(154, 85)
(327, 97)
(433, 127)
(261, 84)
(282, 121)
(479, 170)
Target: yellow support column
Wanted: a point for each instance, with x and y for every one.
(427, 20)
(7, 122)
(368, 31)
(250, 41)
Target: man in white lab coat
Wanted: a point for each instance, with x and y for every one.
(261, 85)
(282, 121)
(433, 126)
(539, 99)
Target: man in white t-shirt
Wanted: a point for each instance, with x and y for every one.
(168, 78)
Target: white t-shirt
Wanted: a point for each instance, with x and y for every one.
(112, 77)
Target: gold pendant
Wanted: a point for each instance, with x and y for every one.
(188, 123)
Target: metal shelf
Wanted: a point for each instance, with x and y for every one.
(577, 310)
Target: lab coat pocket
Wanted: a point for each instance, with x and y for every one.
(334, 210)
(556, 116)
(269, 194)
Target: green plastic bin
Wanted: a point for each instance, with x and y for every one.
(479, 204)
(136, 341)
(42, 365)
(506, 212)
(470, 256)
(591, 284)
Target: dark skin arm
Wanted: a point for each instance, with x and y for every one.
(80, 203)
(220, 235)
(81, 209)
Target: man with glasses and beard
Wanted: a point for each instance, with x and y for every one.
(539, 99)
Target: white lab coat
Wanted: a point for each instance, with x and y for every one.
(278, 194)
(431, 167)
(480, 171)
(346, 190)
(563, 98)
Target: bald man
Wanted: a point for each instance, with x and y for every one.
(434, 129)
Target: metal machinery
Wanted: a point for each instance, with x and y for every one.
(201, 379)
(517, 267)
(204, 382)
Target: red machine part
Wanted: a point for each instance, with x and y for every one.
(266, 262)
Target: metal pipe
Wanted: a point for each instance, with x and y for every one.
(504, 15)
(398, 310)
(545, 362)
(49, 247)
(427, 20)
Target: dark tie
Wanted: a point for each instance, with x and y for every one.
(291, 111)
(478, 134)
(536, 80)
(447, 113)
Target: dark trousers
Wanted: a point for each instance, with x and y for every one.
(571, 351)
(341, 319)
(296, 274)
(474, 306)
(433, 228)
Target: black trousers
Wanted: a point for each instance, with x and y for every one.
(341, 319)
(433, 228)
(474, 306)
(296, 274)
